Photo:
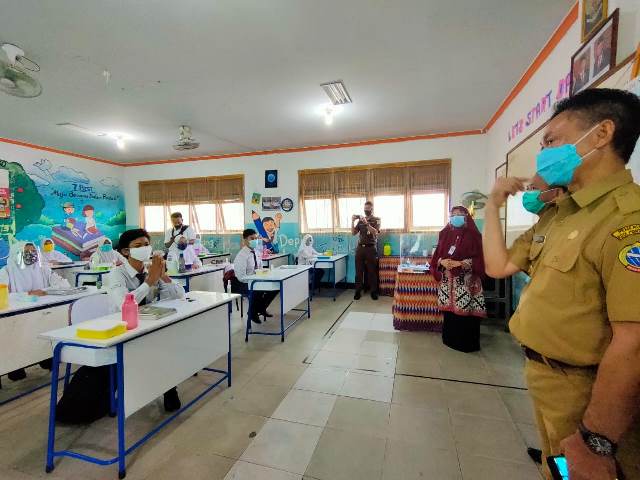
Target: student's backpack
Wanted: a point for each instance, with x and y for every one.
(86, 398)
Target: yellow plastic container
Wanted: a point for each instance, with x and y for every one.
(102, 333)
(4, 296)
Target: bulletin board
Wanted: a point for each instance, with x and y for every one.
(521, 160)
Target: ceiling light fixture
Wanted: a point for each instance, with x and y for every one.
(337, 92)
(120, 143)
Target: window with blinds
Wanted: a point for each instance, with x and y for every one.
(208, 204)
(407, 197)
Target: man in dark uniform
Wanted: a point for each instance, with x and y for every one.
(367, 228)
(578, 319)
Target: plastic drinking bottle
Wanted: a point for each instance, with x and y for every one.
(4, 296)
(130, 311)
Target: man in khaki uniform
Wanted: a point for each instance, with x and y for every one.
(579, 318)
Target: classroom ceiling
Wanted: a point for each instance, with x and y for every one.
(245, 74)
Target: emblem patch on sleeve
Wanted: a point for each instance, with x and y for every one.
(626, 231)
(629, 256)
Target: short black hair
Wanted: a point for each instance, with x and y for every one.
(369, 202)
(176, 215)
(267, 219)
(248, 232)
(129, 236)
(595, 105)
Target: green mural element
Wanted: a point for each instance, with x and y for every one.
(27, 203)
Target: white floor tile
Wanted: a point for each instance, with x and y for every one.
(250, 471)
(302, 406)
(322, 379)
(368, 387)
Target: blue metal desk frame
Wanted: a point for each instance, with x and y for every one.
(333, 268)
(92, 274)
(282, 314)
(117, 403)
(193, 273)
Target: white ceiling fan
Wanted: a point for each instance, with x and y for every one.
(14, 79)
(186, 140)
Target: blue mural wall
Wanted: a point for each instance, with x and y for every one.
(76, 205)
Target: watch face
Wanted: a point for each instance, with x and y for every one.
(599, 445)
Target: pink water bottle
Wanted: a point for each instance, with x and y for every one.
(130, 311)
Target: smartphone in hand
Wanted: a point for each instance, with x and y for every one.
(559, 467)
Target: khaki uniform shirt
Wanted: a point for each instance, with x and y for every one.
(365, 237)
(585, 272)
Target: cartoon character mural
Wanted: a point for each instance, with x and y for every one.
(42, 202)
(267, 228)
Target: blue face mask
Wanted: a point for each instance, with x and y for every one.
(531, 201)
(557, 165)
(254, 243)
(457, 220)
(107, 247)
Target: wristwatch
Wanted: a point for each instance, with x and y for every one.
(598, 444)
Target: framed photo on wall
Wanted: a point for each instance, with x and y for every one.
(596, 57)
(594, 12)
(501, 170)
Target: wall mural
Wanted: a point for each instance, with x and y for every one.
(73, 208)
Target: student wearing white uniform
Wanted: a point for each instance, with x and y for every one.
(106, 254)
(147, 284)
(24, 273)
(307, 255)
(199, 247)
(191, 259)
(51, 256)
(245, 264)
(177, 230)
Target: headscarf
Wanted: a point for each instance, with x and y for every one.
(468, 242)
(189, 254)
(52, 256)
(23, 277)
(306, 253)
(112, 257)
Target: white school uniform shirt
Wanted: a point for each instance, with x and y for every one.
(25, 278)
(122, 280)
(245, 264)
(189, 234)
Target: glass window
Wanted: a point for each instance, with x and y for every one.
(205, 217)
(428, 210)
(318, 214)
(154, 218)
(390, 209)
(347, 207)
(233, 214)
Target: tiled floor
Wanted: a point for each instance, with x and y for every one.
(351, 399)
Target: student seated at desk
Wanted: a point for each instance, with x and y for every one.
(245, 264)
(51, 256)
(106, 254)
(307, 255)
(199, 247)
(24, 273)
(191, 260)
(146, 283)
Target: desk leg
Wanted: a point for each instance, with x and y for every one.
(282, 311)
(186, 289)
(112, 391)
(55, 368)
(122, 469)
(249, 312)
(229, 352)
(77, 277)
(335, 288)
(313, 282)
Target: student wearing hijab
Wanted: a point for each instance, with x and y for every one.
(307, 255)
(458, 264)
(106, 254)
(199, 247)
(51, 256)
(191, 259)
(24, 273)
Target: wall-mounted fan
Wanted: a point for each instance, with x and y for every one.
(186, 140)
(474, 201)
(14, 79)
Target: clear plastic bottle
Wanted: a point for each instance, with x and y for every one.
(130, 311)
(181, 265)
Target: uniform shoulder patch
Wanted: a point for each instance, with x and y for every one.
(629, 256)
(626, 231)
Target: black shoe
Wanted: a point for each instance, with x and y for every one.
(357, 296)
(267, 314)
(535, 454)
(172, 400)
(374, 295)
(257, 320)
(46, 364)
(16, 375)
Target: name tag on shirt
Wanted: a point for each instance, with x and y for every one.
(452, 249)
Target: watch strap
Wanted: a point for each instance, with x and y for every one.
(588, 435)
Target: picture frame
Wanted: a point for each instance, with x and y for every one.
(597, 56)
(594, 13)
(501, 170)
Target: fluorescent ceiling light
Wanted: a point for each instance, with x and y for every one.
(337, 92)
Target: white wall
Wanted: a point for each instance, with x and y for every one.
(467, 154)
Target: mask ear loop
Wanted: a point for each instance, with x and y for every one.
(585, 136)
